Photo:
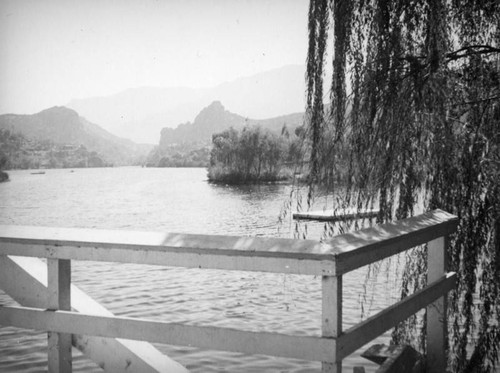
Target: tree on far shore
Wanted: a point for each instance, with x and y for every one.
(251, 155)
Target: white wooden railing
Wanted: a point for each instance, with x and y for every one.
(330, 260)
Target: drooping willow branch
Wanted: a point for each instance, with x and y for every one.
(414, 124)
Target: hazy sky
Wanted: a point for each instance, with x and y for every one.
(53, 51)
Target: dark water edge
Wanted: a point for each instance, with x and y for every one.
(4, 176)
(240, 179)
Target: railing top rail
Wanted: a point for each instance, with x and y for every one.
(369, 245)
(335, 256)
(159, 241)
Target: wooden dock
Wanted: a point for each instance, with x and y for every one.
(335, 215)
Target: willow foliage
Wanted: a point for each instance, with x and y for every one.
(413, 125)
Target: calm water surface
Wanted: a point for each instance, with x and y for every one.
(178, 200)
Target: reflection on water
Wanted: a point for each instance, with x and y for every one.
(175, 200)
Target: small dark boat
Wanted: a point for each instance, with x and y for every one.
(38, 173)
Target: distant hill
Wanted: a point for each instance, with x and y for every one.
(19, 152)
(60, 125)
(215, 118)
(189, 144)
(140, 113)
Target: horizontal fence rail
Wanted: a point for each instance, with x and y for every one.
(329, 259)
(374, 326)
(213, 338)
(25, 280)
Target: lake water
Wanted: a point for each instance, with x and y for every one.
(179, 200)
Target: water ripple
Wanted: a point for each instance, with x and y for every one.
(175, 200)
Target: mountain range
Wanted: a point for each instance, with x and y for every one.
(141, 113)
(61, 125)
(215, 118)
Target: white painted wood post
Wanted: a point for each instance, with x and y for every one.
(59, 298)
(436, 312)
(331, 315)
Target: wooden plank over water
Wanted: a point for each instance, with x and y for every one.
(212, 338)
(335, 215)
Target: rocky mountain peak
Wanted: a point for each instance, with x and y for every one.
(214, 111)
(214, 119)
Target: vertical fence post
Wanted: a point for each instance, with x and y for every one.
(436, 311)
(59, 298)
(331, 324)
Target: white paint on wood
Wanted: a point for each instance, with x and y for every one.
(214, 338)
(331, 318)
(436, 312)
(335, 215)
(173, 242)
(306, 257)
(25, 280)
(141, 255)
(336, 256)
(59, 284)
(364, 332)
(369, 245)
(59, 298)
(59, 352)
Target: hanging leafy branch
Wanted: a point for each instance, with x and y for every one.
(415, 120)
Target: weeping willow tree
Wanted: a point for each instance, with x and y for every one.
(413, 124)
